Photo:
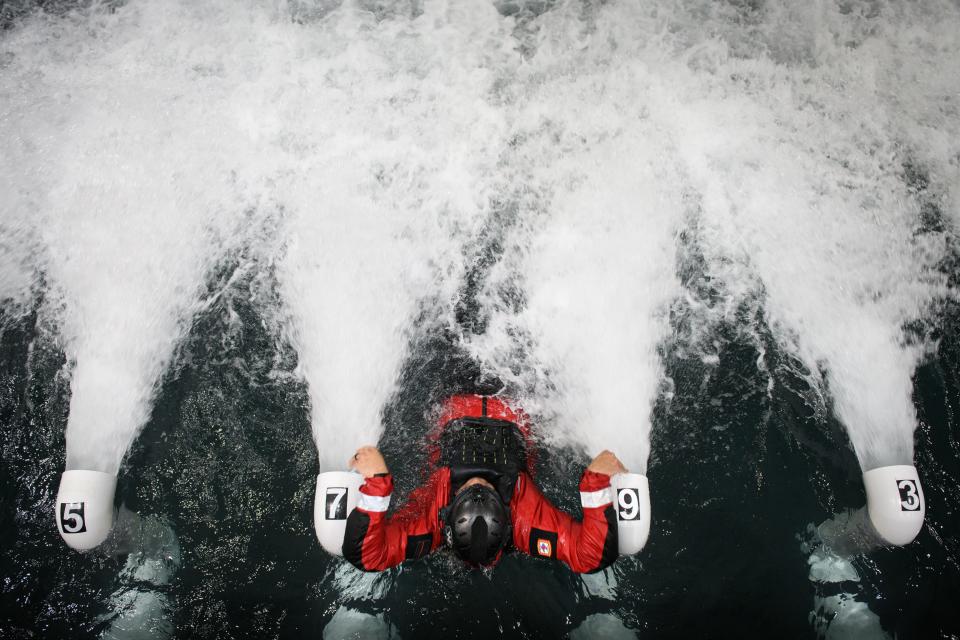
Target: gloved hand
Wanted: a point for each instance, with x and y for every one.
(368, 461)
(607, 463)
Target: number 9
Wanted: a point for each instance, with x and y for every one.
(629, 503)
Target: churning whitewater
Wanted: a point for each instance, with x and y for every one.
(616, 187)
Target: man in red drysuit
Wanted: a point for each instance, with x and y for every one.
(480, 499)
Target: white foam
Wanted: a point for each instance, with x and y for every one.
(17, 246)
(782, 132)
(603, 625)
(799, 171)
(350, 623)
(844, 617)
(131, 176)
(595, 256)
(146, 142)
(396, 144)
(165, 132)
(827, 567)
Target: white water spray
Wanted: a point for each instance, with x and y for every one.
(798, 159)
(136, 137)
(595, 252)
(152, 128)
(126, 171)
(793, 150)
(396, 146)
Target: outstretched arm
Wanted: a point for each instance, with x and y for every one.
(586, 546)
(374, 542)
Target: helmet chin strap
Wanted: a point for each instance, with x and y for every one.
(478, 541)
(477, 553)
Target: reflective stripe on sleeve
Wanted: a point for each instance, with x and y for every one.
(593, 499)
(373, 503)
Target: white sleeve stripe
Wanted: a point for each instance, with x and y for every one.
(593, 499)
(373, 503)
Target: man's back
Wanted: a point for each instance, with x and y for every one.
(481, 452)
(374, 541)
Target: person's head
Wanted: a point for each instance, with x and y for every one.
(478, 522)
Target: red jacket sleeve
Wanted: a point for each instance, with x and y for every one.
(374, 541)
(542, 530)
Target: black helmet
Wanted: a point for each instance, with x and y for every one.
(478, 524)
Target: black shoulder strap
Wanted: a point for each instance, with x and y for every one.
(486, 448)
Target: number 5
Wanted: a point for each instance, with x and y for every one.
(71, 517)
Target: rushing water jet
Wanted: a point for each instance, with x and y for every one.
(145, 141)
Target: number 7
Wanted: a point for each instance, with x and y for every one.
(333, 506)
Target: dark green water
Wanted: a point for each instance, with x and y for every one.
(737, 475)
(746, 458)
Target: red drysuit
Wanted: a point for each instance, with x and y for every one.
(374, 541)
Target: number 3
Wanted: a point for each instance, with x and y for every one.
(909, 498)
